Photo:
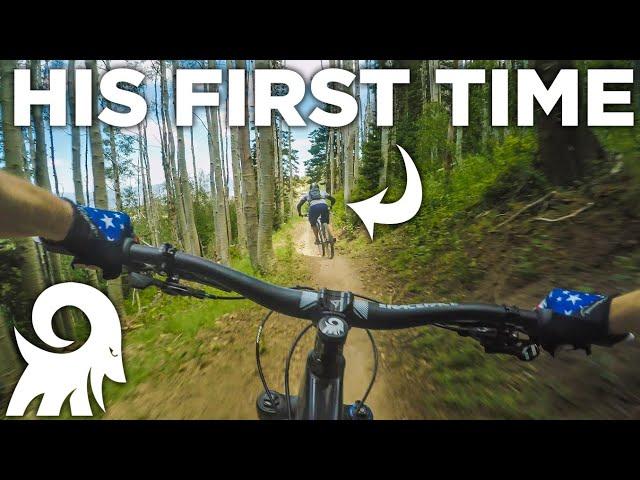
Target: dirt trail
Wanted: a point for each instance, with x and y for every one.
(340, 274)
(223, 382)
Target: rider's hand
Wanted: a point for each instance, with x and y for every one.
(95, 238)
(576, 318)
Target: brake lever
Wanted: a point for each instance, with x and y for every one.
(504, 342)
(172, 286)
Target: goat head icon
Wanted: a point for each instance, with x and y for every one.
(58, 375)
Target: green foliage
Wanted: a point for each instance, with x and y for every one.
(316, 166)
(370, 166)
(432, 141)
(9, 274)
(470, 383)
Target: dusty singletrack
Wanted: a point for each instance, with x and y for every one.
(224, 384)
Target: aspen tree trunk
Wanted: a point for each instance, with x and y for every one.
(384, 147)
(32, 148)
(237, 179)
(40, 159)
(339, 138)
(249, 193)
(31, 277)
(237, 188)
(290, 155)
(266, 183)
(86, 164)
(217, 184)
(75, 134)
(434, 88)
(185, 187)
(279, 198)
(452, 147)
(193, 161)
(186, 193)
(332, 160)
(166, 167)
(348, 134)
(146, 183)
(54, 170)
(424, 79)
(348, 162)
(222, 145)
(113, 150)
(356, 125)
(371, 105)
(9, 361)
(97, 149)
(177, 187)
(114, 287)
(65, 318)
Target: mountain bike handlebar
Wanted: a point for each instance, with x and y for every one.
(311, 305)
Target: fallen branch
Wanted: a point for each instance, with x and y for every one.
(133, 326)
(580, 210)
(525, 208)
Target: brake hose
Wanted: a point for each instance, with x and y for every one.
(258, 363)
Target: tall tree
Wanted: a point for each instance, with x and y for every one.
(249, 191)
(9, 363)
(114, 287)
(64, 319)
(76, 166)
(237, 178)
(152, 214)
(185, 187)
(166, 163)
(31, 276)
(266, 184)
(217, 183)
(171, 149)
(193, 161)
(356, 125)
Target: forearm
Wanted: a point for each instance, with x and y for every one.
(624, 315)
(27, 210)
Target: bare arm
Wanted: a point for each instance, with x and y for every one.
(624, 315)
(28, 211)
(300, 204)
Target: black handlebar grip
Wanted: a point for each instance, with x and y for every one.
(578, 330)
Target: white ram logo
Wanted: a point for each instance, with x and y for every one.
(58, 375)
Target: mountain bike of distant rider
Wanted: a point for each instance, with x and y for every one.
(318, 210)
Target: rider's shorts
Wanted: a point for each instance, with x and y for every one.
(319, 210)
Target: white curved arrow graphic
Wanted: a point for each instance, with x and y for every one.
(372, 210)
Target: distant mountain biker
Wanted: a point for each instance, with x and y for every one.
(95, 237)
(318, 208)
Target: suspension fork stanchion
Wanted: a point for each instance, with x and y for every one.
(321, 394)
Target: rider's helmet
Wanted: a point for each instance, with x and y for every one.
(315, 186)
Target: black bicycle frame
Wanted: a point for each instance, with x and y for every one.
(321, 391)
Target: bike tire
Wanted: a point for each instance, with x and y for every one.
(321, 237)
(328, 241)
(331, 244)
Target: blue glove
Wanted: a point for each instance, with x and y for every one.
(95, 239)
(577, 318)
(569, 302)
